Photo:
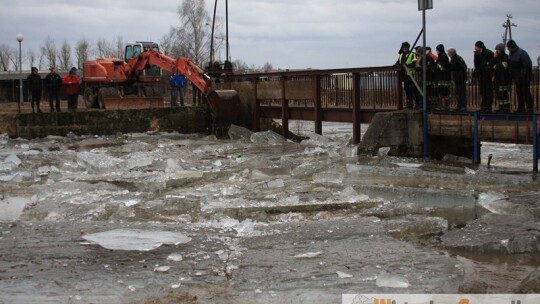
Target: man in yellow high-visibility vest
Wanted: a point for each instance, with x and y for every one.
(407, 61)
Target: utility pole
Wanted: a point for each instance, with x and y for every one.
(508, 29)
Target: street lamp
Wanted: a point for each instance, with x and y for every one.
(20, 38)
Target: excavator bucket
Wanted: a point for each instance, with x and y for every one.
(224, 107)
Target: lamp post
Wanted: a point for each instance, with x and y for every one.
(20, 38)
(424, 5)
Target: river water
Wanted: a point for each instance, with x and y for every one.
(176, 218)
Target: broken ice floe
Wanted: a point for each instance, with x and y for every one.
(497, 203)
(385, 279)
(343, 275)
(409, 165)
(162, 268)
(267, 137)
(12, 208)
(175, 257)
(308, 255)
(14, 159)
(135, 239)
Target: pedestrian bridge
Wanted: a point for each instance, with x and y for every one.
(357, 95)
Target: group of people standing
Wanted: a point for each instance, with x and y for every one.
(53, 83)
(494, 71)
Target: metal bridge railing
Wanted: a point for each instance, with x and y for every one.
(379, 88)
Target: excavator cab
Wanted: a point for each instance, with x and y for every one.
(134, 49)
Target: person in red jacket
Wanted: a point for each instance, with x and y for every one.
(71, 82)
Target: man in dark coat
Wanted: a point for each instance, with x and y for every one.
(53, 81)
(34, 86)
(423, 57)
(520, 66)
(458, 67)
(482, 72)
(443, 77)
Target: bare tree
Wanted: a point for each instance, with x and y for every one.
(104, 49)
(65, 56)
(82, 52)
(41, 60)
(172, 44)
(6, 57)
(267, 67)
(48, 51)
(32, 58)
(119, 47)
(240, 67)
(192, 38)
(15, 60)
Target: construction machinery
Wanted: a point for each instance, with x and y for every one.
(136, 79)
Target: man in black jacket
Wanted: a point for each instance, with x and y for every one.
(482, 73)
(443, 77)
(520, 67)
(458, 67)
(53, 81)
(34, 86)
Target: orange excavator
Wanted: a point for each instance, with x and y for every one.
(137, 79)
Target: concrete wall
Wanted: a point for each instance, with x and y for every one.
(99, 122)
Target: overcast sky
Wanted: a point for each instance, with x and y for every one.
(290, 34)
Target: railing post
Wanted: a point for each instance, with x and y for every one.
(399, 89)
(356, 109)
(317, 104)
(476, 157)
(284, 109)
(535, 143)
(256, 107)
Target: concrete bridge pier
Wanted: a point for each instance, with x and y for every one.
(401, 131)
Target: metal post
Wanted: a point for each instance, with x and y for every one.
(227, 30)
(20, 38)
(535, 143)
(284, 109)
(476, 139)
(357, 118)
(212, 37)
(424, 78)
(317, 115)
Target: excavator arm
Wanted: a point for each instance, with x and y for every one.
(223, 104)
(181, 65)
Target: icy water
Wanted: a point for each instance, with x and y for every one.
(174, 218)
